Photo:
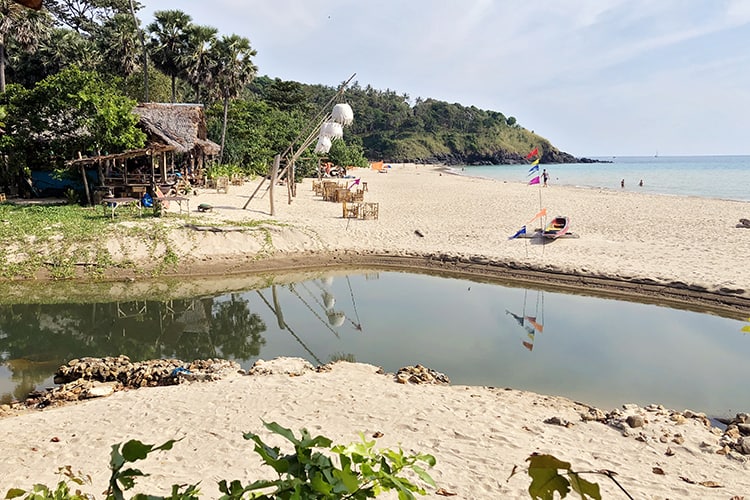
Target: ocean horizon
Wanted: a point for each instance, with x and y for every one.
(712, 176)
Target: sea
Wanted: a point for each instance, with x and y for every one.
(723, 177)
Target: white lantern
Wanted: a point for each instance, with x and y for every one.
(332, 130)
(343, 114)
(323, 146)
(335, 318)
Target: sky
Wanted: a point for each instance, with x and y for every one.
(594, 77)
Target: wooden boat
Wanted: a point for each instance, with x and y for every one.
(556, 228)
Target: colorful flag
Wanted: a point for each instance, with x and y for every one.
(533, 181)
(533, 169)
(537, 326)
(518, 233)
(746, 329)
(535, 162)
(533, 152)
(540, 213)
(354, 183)
(528, 345)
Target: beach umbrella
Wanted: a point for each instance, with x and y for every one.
(323, 146)
(332, 130)
(342, 113)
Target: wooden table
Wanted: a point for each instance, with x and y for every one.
(113, 203)
(179, 200)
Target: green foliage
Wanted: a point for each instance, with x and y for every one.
(70, 112)
(61, 492)
(305, 474)
(547, 480)
(347, 155)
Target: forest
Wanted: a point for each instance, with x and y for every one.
(72, 72)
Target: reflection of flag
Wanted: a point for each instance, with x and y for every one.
(746, 329)
(530, 335)
(533, 181)
(518, 233)
(537, 326)
(518, 318)
(533, 152)
(541, 213)
(528, 345)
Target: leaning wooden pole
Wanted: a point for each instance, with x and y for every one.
(311, 134)
(274, 171)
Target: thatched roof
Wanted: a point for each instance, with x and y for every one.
(180, 125)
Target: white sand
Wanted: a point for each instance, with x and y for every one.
(477, 434)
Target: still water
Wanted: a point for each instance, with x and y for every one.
(601, 351)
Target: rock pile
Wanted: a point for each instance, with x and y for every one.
(420, 375)
(655, 424)
(87, 378)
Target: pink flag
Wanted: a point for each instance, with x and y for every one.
(354, 183)
(535, 180)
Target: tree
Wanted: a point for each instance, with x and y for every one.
(65, 114)
(196, 59)
(23, 26)
(117, 40)
(84, 16)
(168, 43)
(231, 70)
(64, 47)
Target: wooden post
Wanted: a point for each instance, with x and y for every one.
(274, 171)
(85, 181)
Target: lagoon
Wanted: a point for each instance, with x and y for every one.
(597, 350)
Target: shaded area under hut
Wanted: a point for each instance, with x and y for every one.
(174, 159)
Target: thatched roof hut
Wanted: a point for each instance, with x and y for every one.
(180, 125)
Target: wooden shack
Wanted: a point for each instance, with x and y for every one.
(177, 150)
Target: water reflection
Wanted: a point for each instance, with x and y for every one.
(602, 351)
(35, 339)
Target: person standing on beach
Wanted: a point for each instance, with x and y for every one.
(545, 176)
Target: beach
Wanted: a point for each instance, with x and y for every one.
(648, 245)
(665, 248)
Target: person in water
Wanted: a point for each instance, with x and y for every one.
(622, 183)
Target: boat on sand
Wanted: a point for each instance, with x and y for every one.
(556, 228)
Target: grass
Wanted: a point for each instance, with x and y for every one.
(67, 240)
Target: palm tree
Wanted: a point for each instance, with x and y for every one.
(118, 42)
(26, 27)
(168, 42)
(231, 70)
(196, 60)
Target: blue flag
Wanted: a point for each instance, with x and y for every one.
(518, 233)
(533, 169)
